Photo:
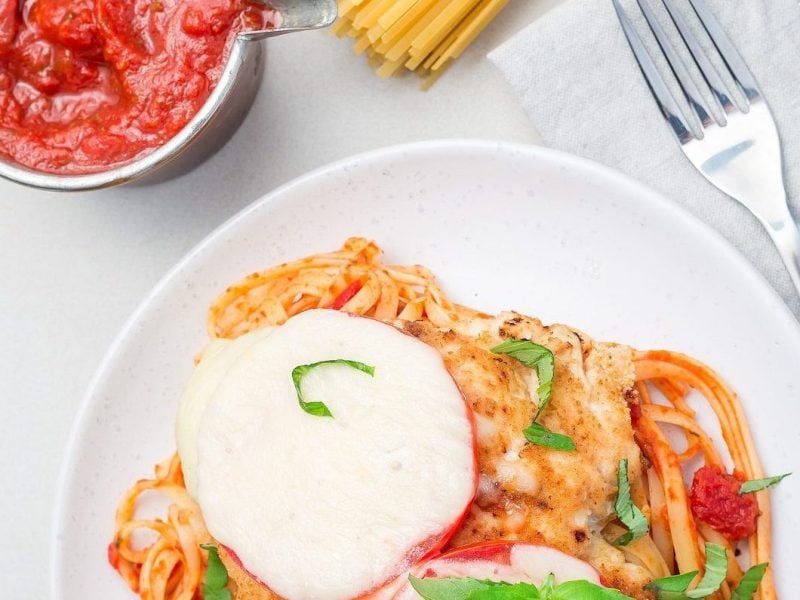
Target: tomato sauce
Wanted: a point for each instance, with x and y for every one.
(86, 85)
(715, 500)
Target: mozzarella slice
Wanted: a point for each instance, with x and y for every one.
(331, 508)
(218, 358)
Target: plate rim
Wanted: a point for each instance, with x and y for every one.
(619, 179)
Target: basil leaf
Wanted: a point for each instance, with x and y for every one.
(756, 485)
(585, 590)
(465, 588)
(540, 435)
(535, 357)
(716, 568)
(671, 588)
(541, 359)
(547, 587)
(508, 591)
(319, 409)
(447, 588)
(627, 511)
(215, 583)
(750, 581)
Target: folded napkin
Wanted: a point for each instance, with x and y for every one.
(578, 81)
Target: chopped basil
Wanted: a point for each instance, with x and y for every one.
(675, 587)
(319, 409)
(716, 568)
(548, 586)
(465, 588)
(540, 435)
(542, 360)
(671, 588)
(215, 583)
(756, 485)
(534, 357)
(749, 584)
(585, 590)
(627, 511)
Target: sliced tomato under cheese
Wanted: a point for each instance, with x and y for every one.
(330, 508)
(509, 562)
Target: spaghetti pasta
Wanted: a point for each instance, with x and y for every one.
(172, 566)
(355, 279)
(424, 36)
(683, 371)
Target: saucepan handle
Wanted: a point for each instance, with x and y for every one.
(297, 15)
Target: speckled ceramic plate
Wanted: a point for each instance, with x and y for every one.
(504, 226)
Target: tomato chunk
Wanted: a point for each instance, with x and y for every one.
(346, 295)
(70, 24)
(8, 24)
(715, 500)
(113, 555)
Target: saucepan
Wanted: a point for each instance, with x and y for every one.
(212, 126)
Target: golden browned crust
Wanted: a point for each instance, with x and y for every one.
(242, 585)
(527, 492)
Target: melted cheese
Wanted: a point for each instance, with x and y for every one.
(330, 508)
(218, 358)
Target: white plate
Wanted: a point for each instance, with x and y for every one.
(504, 226)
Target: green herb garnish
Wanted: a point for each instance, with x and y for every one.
(756, 485)
(465, 588)
(716, 568)
(542, 360)
(749, 584)
(535, 357)
(461, 588)
(671, 588)
(548, 586)
(215, 583)
(627, 511)
(585, 590)
(540, 435)
(675, 587)
(319, 409)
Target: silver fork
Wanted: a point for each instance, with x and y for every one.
(736, 147)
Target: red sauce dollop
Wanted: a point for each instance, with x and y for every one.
(716, 501)
(86, 85)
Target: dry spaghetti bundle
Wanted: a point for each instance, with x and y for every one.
(416, 35)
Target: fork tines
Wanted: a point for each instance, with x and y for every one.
(725, 102)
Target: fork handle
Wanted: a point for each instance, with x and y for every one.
(786, 236)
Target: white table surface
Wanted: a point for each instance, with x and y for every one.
(73, 267)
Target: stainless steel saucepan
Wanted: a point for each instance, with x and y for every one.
(216, 121)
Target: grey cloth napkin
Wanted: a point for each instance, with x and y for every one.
(579, 83)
